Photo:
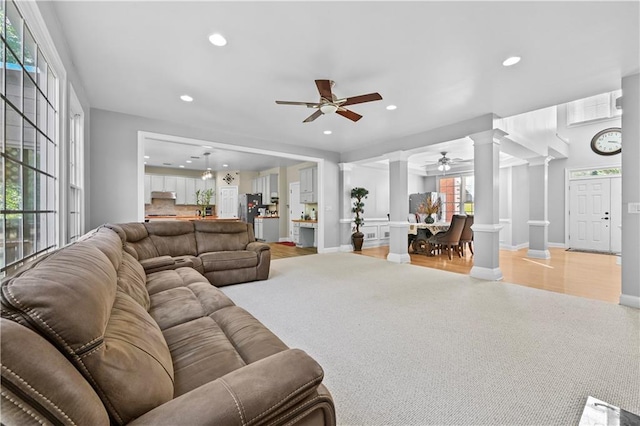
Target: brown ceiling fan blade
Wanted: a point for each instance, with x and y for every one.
(349, 114)
(324, 88)
(307, 104)
(362, 99)
(313, 116)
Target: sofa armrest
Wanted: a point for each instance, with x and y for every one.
(155, 264)
(258, 246)
(249, 395)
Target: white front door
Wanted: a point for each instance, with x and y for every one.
(616, 214)
(590, 214)
(228, 202)
(295, 208)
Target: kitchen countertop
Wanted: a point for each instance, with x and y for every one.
(305, 220)
(267, 217)
(192, 217)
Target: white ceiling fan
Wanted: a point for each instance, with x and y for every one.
(444, 163)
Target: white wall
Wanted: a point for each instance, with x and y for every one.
(580, 156)
(377, 182)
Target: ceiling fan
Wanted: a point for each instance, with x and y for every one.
(329, 103)
(444, 163)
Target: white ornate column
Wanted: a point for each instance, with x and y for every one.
(346, 218)
(398, 207)
(538, 208)
(486, 224)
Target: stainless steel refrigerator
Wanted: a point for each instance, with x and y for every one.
(248, 206)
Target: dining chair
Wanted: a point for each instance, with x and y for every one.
(467, 235)
(450, 239)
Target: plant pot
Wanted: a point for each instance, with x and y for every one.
(357, 239)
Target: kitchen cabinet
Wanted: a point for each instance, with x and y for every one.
(181, 190)
(171, 183)
(157, 183)
(307, 234)
(190, 191)
(265, 185)
(296, 232)
(267, 229)
(308, 185)
(184, 187)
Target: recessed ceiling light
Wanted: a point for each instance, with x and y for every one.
(327, 132)
(208, 168)
(186, 98)
(188, 161)
(147, 157)
(511, 61)
(217, 40)
(206, 146)
(225, 165)
(391, 107)
(181, 166)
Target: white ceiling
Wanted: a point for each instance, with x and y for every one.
(439, 62)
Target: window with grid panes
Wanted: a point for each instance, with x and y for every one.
(459, 195)
(28, 89)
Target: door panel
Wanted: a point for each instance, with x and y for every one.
(295, 208)
(228, 204)
(616, 214)
(589, 220)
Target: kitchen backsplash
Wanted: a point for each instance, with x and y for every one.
(161, 206)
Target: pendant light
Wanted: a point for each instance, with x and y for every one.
(207, 173)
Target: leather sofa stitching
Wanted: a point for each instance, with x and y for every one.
(233, 395)
(25, 383)
(99, 390)
(225, 333)
(305, 408)
(89, 343)
(287, 396)
(29, 412)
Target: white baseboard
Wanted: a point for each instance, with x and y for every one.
(557, 245)
(504, 246)
(330, 250)
(631, 301)
(346, 248)
(284, 240)
(489, 274)
(539, 254)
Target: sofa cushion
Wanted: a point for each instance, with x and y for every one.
(226, 260)
(228, 236)
(138, 242)
(72, 299)
(173, 238)
(44, 392)
(132, 280)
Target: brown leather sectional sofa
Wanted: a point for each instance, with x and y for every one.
(224, 252)
(89, 338)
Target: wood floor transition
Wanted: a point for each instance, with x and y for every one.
(589, 275)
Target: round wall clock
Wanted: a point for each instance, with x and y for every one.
(607, 141)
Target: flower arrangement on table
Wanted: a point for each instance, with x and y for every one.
(430, 207)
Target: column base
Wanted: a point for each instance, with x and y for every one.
(488, 274)
(346, 248)
(539, 254)
(399, 258)
(631, 301)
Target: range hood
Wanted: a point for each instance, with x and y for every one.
(165, 195)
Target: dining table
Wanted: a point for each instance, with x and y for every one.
(424, 231)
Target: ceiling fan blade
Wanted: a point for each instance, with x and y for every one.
(313, 116)
(362, 99)
(324, 88)
(308, 104)
(349, 114)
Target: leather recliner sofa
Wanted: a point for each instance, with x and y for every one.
(88, 338)
(224, 252)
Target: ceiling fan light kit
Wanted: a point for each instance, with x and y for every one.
(330, 104)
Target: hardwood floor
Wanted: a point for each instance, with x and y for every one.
(281, 251)
(593, 276)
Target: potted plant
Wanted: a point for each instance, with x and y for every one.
(432, 208)
(203, 200)
(357, 238)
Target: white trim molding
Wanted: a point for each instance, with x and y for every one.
(631, 301)
(399, 258)
(488, 228)
(345, 167)
(514, 248)
(329, 250)
(488, 274)
(541, 223)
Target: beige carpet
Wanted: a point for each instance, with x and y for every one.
(403, 345)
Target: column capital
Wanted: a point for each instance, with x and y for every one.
(488, 136)
(540, 161)
(397, 156)
(345, 167)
